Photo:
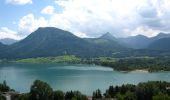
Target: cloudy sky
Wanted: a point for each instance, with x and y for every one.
(85, 18)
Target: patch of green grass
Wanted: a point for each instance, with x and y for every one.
(58, 59)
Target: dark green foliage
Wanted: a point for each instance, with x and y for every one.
(74, 95)
(97, 95)
(130, 96)
(161, 96)
(127, 96)
(40, 91)
(4, 87)
(2, 98)
(111, 92)
(58, 95)
(129, 64)
(143, 91)
(152, 90)
(23, 97)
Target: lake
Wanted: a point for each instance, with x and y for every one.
(85, 78)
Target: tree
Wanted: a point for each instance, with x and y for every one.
(97, 94)
(161, 96)
(23, 97)
(40, 91)
(76, 95)
(130, 96)
(2, 98)
(69, 95)
(4, 87)
(58, 95)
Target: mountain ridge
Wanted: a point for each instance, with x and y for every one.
(50, 41)
(141, 41)
(160, 44)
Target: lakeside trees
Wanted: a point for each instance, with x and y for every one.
(58, 95)
(129, 64)
(41, 91)
(152, 90)
(4, 87)
(97, 95)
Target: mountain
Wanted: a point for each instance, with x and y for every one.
(2, 47)
(8, 41)
(160, 44)
(141, 41)
(107, 36)
(136, 42)
(161, 35)
(107, 42)
(52, 41)
(48, 42)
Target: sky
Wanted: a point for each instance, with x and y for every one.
(85, 18)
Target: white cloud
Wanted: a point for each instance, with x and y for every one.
(146, 31)
(29, 23)
(95, 17)
(19, 2)
(7, 33)
(92, 18)
(48, 10)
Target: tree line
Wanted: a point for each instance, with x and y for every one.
(130, 64)
(152, 90)
(42, 91)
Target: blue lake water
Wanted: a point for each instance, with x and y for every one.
(85, 78)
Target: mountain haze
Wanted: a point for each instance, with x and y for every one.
(8, 41)
(160, 44)
(141, 41)
(136, 42)
(161, 35)
(108, 36)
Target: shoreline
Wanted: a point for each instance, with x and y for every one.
(135, 71)
(140, 70)
(65, 63)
